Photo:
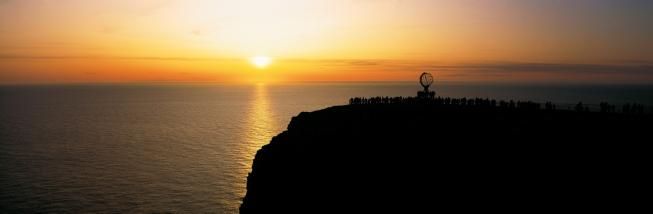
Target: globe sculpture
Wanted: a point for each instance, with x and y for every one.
(426, 79)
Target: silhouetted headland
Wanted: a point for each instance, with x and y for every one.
(408, 154)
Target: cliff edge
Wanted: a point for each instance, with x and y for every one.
(418, 157)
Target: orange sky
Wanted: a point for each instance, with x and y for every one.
(80, 41)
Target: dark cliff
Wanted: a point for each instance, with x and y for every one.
(410, 157)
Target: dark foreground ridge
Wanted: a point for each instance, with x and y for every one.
(413, 156)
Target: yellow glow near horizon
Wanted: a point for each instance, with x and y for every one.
(261, 61)
(322, 40)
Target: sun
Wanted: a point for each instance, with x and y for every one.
(260, 61)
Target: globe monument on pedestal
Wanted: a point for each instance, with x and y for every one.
(426, 79)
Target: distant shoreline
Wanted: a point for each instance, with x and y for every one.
(405, 82)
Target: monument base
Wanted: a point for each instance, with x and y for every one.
(426, 94)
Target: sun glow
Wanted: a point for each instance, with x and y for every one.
(260, 61)
(321, 40)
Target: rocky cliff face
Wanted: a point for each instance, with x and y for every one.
(409, 158)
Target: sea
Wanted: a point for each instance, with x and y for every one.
(186, 148)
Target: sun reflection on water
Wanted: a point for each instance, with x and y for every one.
(259, 127)
(259, 120)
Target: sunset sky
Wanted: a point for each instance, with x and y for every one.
(82, 41)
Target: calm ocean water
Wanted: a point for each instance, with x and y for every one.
(181, 148)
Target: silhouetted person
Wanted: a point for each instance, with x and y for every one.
(579, 107)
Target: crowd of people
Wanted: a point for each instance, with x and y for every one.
(633, 108)
(472, 102)
(485, 102)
